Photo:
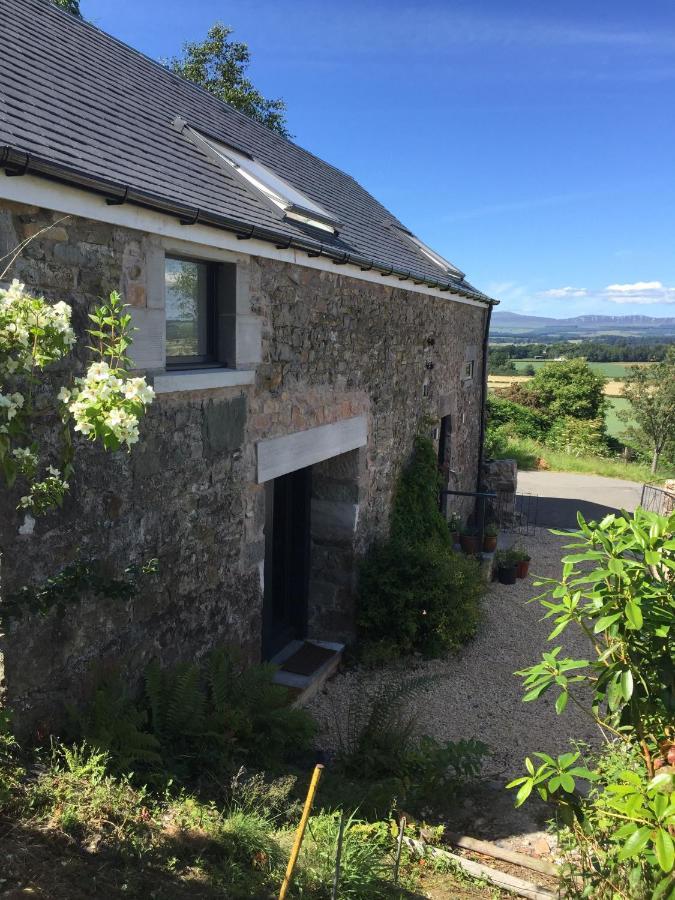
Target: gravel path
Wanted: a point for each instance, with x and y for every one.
(474, 693)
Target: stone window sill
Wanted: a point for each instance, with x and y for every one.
(201, 379)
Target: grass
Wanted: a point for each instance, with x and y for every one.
(529, 454)
(71, 830)
(615, 426)
(615, 370)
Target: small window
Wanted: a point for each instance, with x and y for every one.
(467, 371)
(190, 312)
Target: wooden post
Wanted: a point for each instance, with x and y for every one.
(300, 833)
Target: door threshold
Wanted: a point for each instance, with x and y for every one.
(302, 687)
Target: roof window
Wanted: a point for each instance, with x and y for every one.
(435, 258)
(294, 203)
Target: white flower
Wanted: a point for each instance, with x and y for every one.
(98, 371)
(137, 389)
(63, 395)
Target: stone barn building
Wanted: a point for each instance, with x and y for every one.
(297, 334)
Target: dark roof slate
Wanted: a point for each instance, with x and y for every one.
(78, 98)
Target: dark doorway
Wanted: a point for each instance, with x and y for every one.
(444, 444)
(287, 546)
(444, 455)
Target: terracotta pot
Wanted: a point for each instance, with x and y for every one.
(523, 568)
(490, 543)
(507, 574)
(470, 544)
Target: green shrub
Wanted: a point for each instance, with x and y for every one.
(496, 443)
(416, 516)
(578, 437)
(414, 592)
(515, 418)
(617, 590)
(418, 597)
(568, 388)
(499, 444)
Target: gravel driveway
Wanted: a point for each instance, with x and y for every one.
(474, 693)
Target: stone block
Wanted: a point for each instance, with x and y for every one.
(223, 426)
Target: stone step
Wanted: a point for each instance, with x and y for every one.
(302, 688)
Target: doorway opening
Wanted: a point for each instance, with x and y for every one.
(287, 560)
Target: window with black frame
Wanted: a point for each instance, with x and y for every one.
(191, 312)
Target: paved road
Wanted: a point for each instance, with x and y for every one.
(561, 494)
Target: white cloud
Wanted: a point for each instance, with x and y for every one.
(644, 293)
(565, 292)
(572, 301)
(637, 287)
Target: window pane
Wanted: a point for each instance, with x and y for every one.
(186, 317)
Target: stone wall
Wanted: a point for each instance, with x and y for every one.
(332, 348)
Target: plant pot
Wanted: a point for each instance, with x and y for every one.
(522, 568)
(507, 574)
(489, 543)
(470, 544)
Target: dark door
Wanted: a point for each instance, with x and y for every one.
(444, 445)
(444, 457)
(287, 542)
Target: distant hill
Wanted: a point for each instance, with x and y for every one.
(506, 324)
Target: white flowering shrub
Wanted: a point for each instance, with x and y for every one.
(105, 404)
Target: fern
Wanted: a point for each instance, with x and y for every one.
(115, 725)
(194, 723)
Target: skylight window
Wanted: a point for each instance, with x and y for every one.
(435, 258)
(294, 203)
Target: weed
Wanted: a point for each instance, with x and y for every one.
(382, 746)
(366, 860)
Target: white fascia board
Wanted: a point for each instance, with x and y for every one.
(290, 452)
(62, 198)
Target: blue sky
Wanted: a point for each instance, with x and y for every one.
(531, 143)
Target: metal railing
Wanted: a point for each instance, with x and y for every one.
(481, 498)
(658, 499)
(509, 511)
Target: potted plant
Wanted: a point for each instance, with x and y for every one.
(507, 563)
(490, 538)
(455, 525)
(469, 540)
(522, 562)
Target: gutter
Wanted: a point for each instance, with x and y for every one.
(20, 162)
(483, 398)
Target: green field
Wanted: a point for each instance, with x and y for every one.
(608, 369)
(614, 424)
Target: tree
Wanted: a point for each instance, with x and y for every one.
(568, 388)
(219, 65)
(651, 392)
(71, 6)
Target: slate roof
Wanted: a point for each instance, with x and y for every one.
(79, 105)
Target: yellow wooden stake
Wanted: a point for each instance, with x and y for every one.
(300, 833)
